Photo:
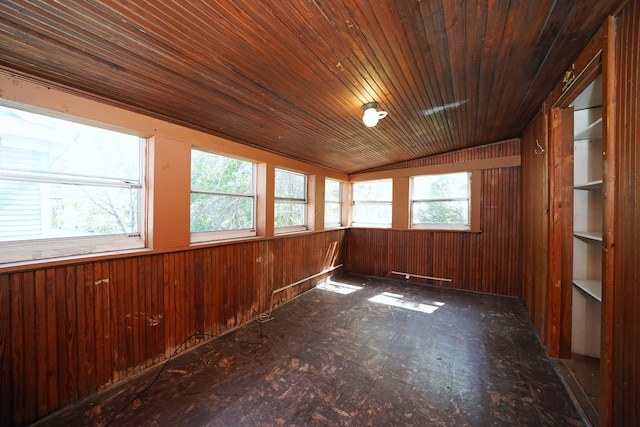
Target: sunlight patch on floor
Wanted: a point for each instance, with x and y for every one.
(397, 300)
(338, 287)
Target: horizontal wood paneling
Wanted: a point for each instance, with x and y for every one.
(67, 331)
(488, 261)
(496, 150)
(623, 165)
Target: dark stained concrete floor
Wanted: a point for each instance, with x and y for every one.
(386, 353)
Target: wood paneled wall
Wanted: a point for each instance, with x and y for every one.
(510, 147)
(535, 221)
(488, 261)
(625, 218)
(620, 376)
(69, 330)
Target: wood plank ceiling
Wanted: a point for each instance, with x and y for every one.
(291, 76)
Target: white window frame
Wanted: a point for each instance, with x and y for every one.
(291, 200)
(371, 202)
(15, 251)
(328, 203)
(215, 235)
(442, 226)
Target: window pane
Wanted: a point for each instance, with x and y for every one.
(289, 214)
(372, 202)
(372, 213)
(441, 212)
(331, 190)
(223, 196)
(448, 186)
(290, 185)
(33, 210)
(290, 199)
(59, 180)
(212, 212)
(37, 143)
(380, 191)
(211, 172)
(331, 214)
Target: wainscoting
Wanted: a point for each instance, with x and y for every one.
(68, 331)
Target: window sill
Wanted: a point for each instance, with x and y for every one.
(421, 229)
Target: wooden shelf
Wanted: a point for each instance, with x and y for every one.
(592, 288)
(595, 236)
(592, 185)
(591, 96)
(592, 131)
(588, 167)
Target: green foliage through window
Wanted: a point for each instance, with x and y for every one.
(290, 205)
(222, 193)
(441, 199)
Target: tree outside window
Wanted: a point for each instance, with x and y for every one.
(222, 193)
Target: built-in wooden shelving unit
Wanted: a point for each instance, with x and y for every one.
(587, 221)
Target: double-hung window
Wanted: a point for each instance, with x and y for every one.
(372, 203)
(441, 201)
(332, 206)
(67, 188)
(290, 202)
(223, 197)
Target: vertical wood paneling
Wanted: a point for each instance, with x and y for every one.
(218, 289)
(158, 315)
(196, 276)
(488, 261)
(17, 342)
(117, 299)
(133, 317)
(168, 304)
(625, 318)
(620, 375)
(535, 219)
(7, 369)
(52, 374)
(80, 317)
(87, 339)
(29, 327)
(69, 330)
(62, 352)
(41, 345)
(70, 386)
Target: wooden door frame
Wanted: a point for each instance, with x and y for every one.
(560, 275)
(598, 57)
(560, 232)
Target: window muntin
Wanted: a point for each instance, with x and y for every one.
(67, 188)
(290, 202)
(372, 203)
(442, 200)
(332, 205)
(222, 196)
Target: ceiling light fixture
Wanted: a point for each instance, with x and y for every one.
(371, 114)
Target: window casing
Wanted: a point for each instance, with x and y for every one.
(441, 201)
(67, 188)
(332, 204)
(223, 197)
(372, 203)
(290, 201)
